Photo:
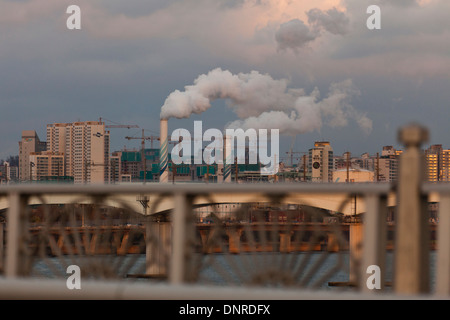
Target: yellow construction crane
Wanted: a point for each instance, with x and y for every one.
(143, 138)
(117, 125)
(151, 138)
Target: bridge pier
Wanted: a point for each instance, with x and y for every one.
(234, 240)
(285, 241)
(204, 235)
(85, 240)
(332, 242)
(207, 245)
(93, 243)
(158, 248)
(122, 249)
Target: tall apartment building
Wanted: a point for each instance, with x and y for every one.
(85, 146)
(386, 166)
(114, 170)
(446, 165)
(434, 164)
(432, 167)
(29, 143)
(321, 162)
(46, 164)
(437, 163)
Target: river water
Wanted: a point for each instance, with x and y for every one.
(273, 269)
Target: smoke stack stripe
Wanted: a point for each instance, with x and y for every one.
(228, 160)
(163, 152)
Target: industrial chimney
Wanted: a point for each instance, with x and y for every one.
(163, 152)
(228, 160)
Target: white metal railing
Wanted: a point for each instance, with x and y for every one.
(443, 236)
(179, 271)
(412, 271)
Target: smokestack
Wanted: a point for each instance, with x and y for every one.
(219, 173)
(220, 165)
(228, 159)
(163, 152)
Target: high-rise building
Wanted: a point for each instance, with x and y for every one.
(30, 143)
(434, 157)
(85, 146)
(446, 165)
(114, 170)
(432, 162)
(386, 167)
(321, 162)
(45, 165)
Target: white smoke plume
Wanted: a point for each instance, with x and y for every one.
(262, 102)
(295, 34)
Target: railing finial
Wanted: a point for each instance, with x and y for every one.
(413, 135)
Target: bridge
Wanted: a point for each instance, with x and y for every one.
(130, 196)
(171, 246)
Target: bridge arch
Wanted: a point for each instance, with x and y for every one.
(164, 203)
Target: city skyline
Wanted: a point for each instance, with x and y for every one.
(284, 154)
(127, 59)
(79, 152)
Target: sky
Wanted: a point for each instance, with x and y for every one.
(310, 68)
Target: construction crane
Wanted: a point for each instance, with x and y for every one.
(151, 138)
(290, 152)
(117, 125)
(143, 138)
(291, 156)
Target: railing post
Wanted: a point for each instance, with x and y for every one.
(374, 239)
(182, 239)
(412, 230)
(2, 232)
(443, 246)
(355, 246)
(158, 248)
(16, 228)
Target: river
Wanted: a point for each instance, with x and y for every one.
(273, 269)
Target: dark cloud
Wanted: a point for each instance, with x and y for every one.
(333, 20)
(398, 3)
(136, 8)
(294, 34)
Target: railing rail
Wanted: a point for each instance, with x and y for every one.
(167, 188)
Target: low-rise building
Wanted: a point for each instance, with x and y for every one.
(353, 175)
